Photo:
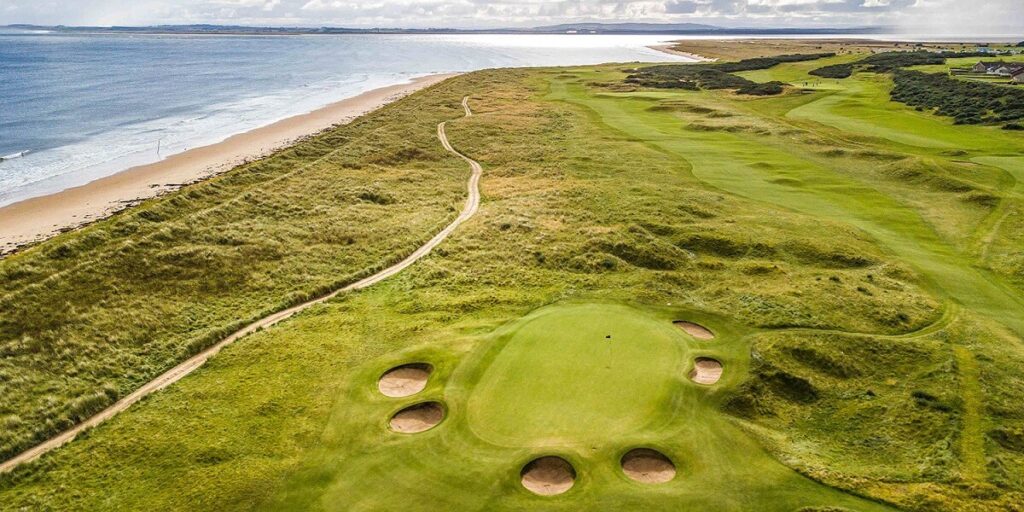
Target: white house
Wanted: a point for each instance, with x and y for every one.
(999, 68)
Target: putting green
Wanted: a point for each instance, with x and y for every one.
(590, 371)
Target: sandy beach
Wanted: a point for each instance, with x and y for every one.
(32, 220)
(668, 48)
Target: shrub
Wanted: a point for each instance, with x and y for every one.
(834, 71)
(768, 62)
(716, 76)
(965, 102)
(889, 61)
(765, 89)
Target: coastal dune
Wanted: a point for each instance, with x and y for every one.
(33, 220)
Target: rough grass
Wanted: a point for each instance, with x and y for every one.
(88, 317)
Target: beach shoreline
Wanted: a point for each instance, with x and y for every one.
(34, 220)
(667, 48)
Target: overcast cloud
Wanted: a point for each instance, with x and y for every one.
(925, 16)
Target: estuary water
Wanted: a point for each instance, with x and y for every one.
(87, 106)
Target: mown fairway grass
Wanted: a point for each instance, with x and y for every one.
(865, 292)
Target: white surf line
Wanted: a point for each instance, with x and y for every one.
(188, 366)
(12, 156)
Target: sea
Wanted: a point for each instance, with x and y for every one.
(88, 106)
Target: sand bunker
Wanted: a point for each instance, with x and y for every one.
(696, 330)
(548, 476)
(405, 380)
(417, 418)
(648, 466)
(706, 371)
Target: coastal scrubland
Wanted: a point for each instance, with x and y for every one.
(856, 259)
(89, 316)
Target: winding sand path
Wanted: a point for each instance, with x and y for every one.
(188, 366)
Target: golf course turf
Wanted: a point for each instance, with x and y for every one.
(851, 265)
(555, 413)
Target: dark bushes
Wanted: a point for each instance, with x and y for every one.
(768, 62)
(834, 71)
(889, 61)
(965, 102)
(662, 83)
(688, 77)
(717, 76)
(765, 89)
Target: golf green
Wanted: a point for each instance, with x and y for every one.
(589, 371)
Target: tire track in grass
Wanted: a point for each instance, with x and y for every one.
(1014, 166)
(188, 366)
(972, 433)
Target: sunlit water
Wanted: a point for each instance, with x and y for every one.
(87, 106)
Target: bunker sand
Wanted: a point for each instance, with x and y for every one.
(696, 330)
(648, 466)
(417, 418)
(548, 476)
(405, 380)
(706, 371)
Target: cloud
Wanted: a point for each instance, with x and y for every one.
(921, 15)
(681, 7)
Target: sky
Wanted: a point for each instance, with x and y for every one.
(964, 17)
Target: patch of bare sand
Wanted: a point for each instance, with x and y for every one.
(405, 380)
(417, 418)
(648, 466)
(669, 49)
(696, 330)
(548, 476)
(706, 371)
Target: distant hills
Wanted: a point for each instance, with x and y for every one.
(628, 27)
(567, 28)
